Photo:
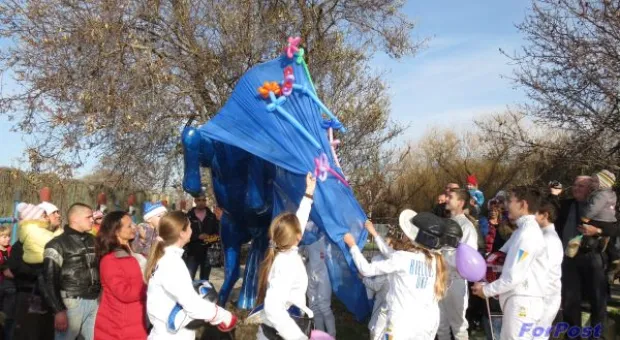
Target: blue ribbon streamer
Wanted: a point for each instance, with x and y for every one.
(334, 124)
(275, 105)
(305, 90)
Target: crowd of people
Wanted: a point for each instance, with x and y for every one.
(101, 276)
(566, 253)
(92, 278)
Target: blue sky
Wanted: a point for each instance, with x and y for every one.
(455, 78)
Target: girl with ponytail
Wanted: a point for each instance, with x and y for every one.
(283, 280)
(416, 275)
(170, 284)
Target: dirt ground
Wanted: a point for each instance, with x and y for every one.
(347, 327)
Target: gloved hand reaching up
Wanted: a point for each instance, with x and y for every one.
(224, 320)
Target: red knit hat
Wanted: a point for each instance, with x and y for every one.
(471, 179)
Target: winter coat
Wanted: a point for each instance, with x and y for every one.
(34, 235)
(489, 239)
(4, 262)
(70, 266)
(209, 225)
(122, 310)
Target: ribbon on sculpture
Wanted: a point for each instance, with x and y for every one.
(276, 105)
(330, 125)
(322, 169)
(324, 108)
(300, 61)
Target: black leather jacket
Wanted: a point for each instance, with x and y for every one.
(71, 268)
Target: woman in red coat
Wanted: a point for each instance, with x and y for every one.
(122, 310)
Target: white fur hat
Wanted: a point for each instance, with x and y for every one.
(29, 211)
(48, 207)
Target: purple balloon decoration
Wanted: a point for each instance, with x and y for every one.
(469, 263)
(319, 335)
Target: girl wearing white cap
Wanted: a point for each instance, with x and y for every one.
(418, 276)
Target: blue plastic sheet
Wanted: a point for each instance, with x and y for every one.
(262, 150)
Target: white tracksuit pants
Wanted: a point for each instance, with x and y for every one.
(520, 310)
(452, 310)
(319, 300)
(413, 327)
(552, 306)
(378, 323)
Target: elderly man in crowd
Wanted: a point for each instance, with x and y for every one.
(584, 274)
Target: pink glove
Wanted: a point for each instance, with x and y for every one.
(319, 335)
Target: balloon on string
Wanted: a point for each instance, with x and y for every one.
(45, 194)
(469, 263)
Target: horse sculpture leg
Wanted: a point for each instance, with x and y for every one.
(249, 289)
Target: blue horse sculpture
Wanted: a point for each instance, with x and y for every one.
(259, 147)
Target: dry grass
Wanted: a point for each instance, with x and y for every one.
(347, 327)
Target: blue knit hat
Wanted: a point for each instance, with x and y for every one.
(153, 209)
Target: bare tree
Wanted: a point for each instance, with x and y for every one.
(117, 79)
(570, 70)
(489, 151)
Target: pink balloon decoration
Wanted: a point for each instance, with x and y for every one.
(292, 48)
(287, 88)
(469, 263)
(322, 169)
(319, 335)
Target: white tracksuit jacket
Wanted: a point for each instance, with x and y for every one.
(288, 282)
(319, 287)
(377, 287)
(169, 284)
(413, 310)
(454, 304)
(553, 292)
(522, 284)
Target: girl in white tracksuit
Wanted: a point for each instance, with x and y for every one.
(554, 252)
(454, 305)
(283, 280)
(377, 287)
(522, 284)
(417, 281)
(169, 284)
(319, 287)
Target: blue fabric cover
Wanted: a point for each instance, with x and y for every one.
(259, 165)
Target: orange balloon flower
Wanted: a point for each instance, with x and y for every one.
(269, 87)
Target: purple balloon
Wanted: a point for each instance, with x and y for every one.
(319, 335)
(469, 263)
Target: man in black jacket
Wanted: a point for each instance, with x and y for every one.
(583, 275)
(72, 283)
(205, 230)
(33, 319)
